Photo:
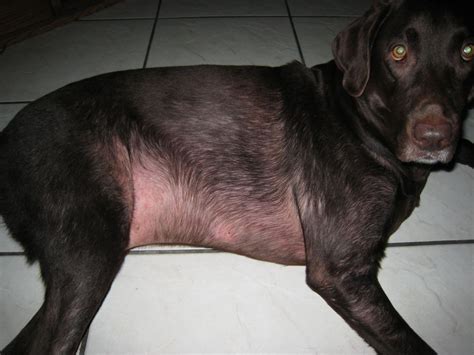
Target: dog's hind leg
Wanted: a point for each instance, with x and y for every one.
(76, 283)
(73, 217)
(73, 295)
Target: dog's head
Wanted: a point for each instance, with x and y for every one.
(411, 64)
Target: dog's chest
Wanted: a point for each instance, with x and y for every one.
(170, 210)
(404, 206)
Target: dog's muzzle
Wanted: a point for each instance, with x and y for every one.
(430, 137)
(433, 134)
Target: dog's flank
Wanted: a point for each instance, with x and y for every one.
(312, 167)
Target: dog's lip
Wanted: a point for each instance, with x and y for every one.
(413, 154)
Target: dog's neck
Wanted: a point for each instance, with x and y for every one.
(411, 177)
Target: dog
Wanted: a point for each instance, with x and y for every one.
(293, 165)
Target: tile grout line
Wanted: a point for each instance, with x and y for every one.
(214, 251)
(430, 243)
(187, 18)
(215, 17)
(116, 19)
(152, 36)
(175, 251)
(294, 33)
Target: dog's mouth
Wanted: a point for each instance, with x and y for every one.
(413, 154)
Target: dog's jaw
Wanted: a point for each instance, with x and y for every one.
(412, 154)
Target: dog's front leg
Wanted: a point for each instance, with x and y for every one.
(345, 275)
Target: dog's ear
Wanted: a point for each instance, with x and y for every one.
(352, 47)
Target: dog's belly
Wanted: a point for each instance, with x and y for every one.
(167, 212)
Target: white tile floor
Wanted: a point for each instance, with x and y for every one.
(217, 302)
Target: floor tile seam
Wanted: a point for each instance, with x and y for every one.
(116, 19)
(152, 35)
(295, 34)
(214, 251)
(214, 17)
(430, 243)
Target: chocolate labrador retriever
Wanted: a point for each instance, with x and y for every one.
(294, 165)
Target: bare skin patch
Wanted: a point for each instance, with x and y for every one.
(167, 211)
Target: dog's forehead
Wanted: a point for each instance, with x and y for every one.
(440, 21)
(446, 15)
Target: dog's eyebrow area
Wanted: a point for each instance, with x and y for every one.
(412, 36)
(462, 35)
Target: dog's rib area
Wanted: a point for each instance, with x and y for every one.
(167, 211)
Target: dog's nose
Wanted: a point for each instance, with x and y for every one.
(433, 134)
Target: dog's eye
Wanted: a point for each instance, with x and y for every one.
(467, 52)
(399, 52)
